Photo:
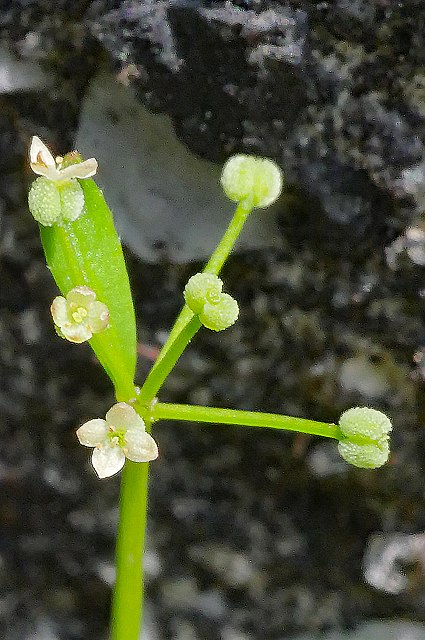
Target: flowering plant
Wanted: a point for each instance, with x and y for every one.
(84, 255)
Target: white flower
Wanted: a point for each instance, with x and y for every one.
(44, 164)
(122, 435)
(78, 316)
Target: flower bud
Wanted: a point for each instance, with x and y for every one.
(256, 181)
(366, 442)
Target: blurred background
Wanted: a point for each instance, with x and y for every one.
(251, 534)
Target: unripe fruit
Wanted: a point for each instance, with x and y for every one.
(55, 202)
(256, 181)
(44, 201)
(200, 288)
(221, 315)
(366, 442)
(216, 310)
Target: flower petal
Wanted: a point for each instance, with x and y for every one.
(40, 155)
(93, 433)
(82, 296)
(80, 170)
(140, 446)
(59, 311)
(77, 333)
(122, 415)
(98, 316)
(107, 460)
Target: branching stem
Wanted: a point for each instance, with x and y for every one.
(166, 411)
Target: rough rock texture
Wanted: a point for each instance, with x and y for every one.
(252, 535)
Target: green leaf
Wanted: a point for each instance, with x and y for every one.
(88, 252)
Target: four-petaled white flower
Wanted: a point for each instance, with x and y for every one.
(78, 316)
(121, 435)
(44, 164)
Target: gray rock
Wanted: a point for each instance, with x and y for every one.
(167, 202)
(20, 75)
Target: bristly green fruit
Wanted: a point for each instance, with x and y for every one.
(216, 310)
(221, 314)
(55, 202)
(72, 200)
(251, 180)
(44, 201)
(200, 287)
(366, 442)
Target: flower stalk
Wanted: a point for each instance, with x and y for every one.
(214, 415)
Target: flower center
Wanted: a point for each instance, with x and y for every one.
(116, 436)
(79, 314)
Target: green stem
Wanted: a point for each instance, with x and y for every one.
(182, 320)
(214, 265)
(158, 374)
(166, 411)
(128, 593)
(127, 604)
(227, 242)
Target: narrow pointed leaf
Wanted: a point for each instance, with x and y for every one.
(88, 252)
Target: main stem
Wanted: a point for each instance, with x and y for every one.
(128, 593)
(127, 603)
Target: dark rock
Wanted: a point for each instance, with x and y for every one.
(245, 524)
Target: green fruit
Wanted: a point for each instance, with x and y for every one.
(44, 201)
(201, 288)
(366, 437)
(221, 315)
(256, 181)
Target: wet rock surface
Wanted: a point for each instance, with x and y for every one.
(252, 535)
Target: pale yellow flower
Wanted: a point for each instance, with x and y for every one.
(79, 315)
